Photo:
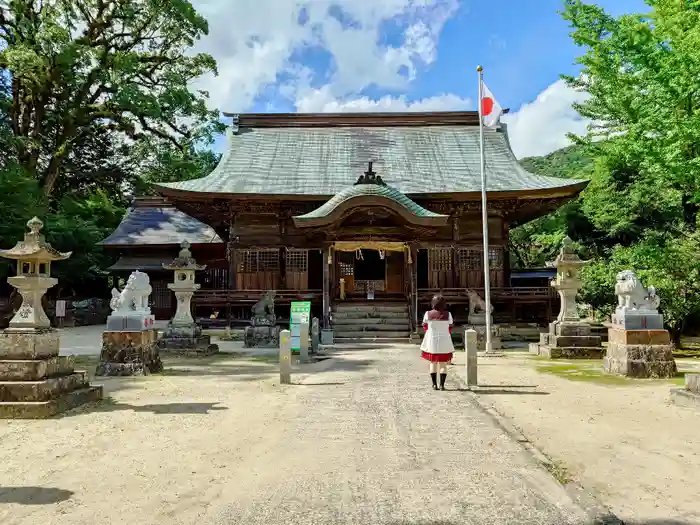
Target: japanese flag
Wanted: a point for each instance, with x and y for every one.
(491, 110)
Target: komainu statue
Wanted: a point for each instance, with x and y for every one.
(134, 296)
(263, 330)
(632, 295)
(476, 304)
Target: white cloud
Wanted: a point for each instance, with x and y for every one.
(322, 101)
(254, 42)
(540, 127)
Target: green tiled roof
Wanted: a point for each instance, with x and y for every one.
(370, 190)
(323, 161)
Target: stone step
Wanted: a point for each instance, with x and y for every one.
(355, 334)
(370, 315)
(366, 321)
(28, 345)
(43, 390)
(34, 370)
(46, 409)
(571, 352)
(371, 340)
(371, 308)
(382, 327)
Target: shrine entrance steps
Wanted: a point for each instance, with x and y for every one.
(371, 322)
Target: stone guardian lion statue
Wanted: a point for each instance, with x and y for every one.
(476, 303)
(632, 295)
(135, 294)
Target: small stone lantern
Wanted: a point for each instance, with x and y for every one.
(184, 267)
(568, 282)
(34, 256)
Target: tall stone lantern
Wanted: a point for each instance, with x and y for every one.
(568, 282)
(183, 333)
(35, 382)
(34, 257)
(569, 337)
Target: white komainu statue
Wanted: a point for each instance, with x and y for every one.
(134, 296)
(632, 295)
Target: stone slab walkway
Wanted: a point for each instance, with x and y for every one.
(361, 439)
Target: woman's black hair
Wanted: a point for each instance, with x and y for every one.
(438, 303)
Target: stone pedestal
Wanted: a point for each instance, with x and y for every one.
(639, 353)
(572, 340)
(186, 340)
(496, 343)
(35, 382)
(129, 353)
(690, 395)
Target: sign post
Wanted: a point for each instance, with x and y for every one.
(300, 315)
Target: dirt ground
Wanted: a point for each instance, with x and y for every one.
(621, 438)
(359, 438)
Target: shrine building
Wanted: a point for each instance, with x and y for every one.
(339, 208)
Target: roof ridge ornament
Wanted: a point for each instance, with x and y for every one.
(370, 177)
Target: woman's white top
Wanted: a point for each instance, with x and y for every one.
(438, 339)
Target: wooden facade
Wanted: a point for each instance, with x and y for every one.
(364, 234)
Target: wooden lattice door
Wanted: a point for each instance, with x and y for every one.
(257, 269)
(440, 267)
(297, 269)
(471, 267)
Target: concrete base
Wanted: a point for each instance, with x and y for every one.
(480, 330)
(568, 341)
(129, 353)
(690, 395)
(186, 340)
(34, 381)
(639, 353)
(685, 398)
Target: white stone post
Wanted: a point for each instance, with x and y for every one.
(285, 357)
(471, 359)
(304, 342)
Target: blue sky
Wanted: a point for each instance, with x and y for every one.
(368, 55)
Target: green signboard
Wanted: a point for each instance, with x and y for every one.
(300, 313)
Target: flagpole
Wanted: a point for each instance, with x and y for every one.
(484, 216)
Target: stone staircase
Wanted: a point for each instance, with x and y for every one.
(371, 322)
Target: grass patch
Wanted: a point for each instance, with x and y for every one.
(559, 471)
(592, 371)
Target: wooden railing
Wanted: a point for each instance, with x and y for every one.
(460, 294)
(223, 297)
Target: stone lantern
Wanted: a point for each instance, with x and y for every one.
(184, 266)
(183, 334)
(35, 382)
(569, 336)
(568, 282)
(34, 257)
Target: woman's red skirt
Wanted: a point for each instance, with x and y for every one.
(436, 358)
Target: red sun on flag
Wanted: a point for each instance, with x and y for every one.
(486, 106)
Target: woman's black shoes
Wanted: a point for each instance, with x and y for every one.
(442, 381)
(433, 377)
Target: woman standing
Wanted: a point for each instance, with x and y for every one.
(437, 343)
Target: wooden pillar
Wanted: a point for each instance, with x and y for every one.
(414, 286)
(327, 261)
(455, 252)
(231, 252)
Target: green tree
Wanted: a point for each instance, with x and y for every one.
(641, 74)
(77, 68)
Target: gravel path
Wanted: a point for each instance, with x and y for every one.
(382, 447)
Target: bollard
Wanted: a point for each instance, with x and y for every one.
(471, 357)
(315, 335)
(285, 357)
(304, 342)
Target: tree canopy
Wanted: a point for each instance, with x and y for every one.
(642, 155)
(95, 102)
